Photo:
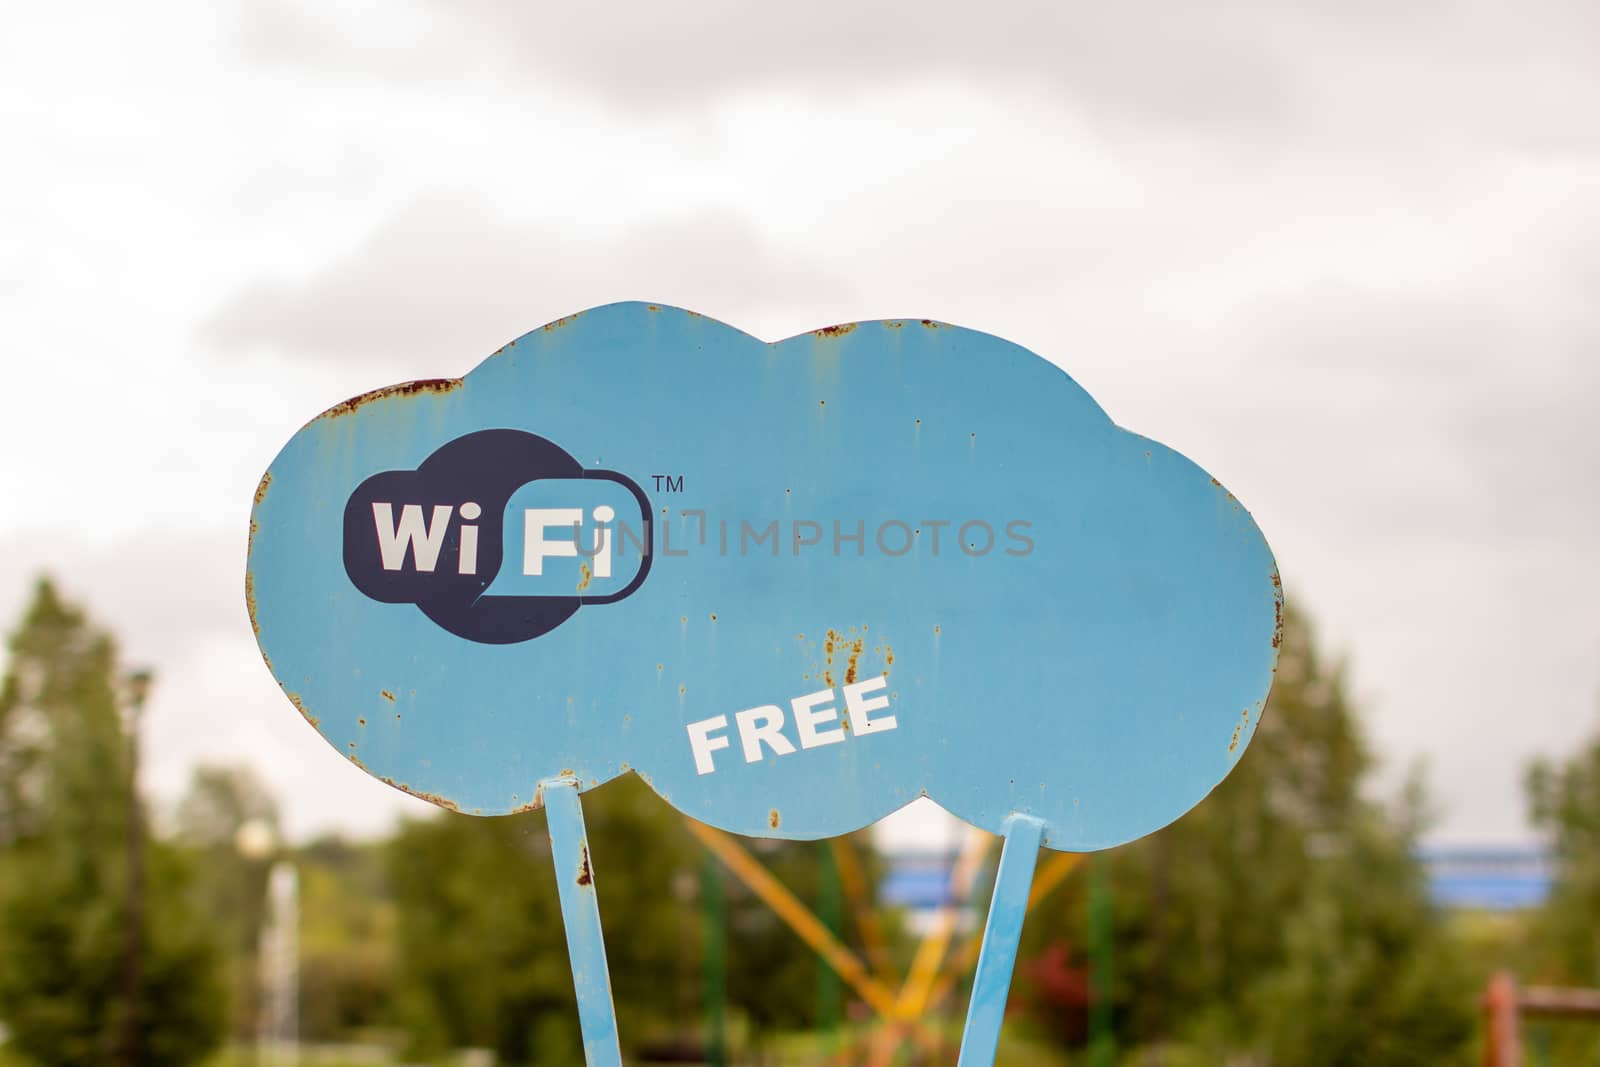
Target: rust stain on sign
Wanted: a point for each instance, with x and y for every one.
(585, 875)
(420, 386)
(586, 576)
(263, 486)
(853, 661)
(1277, 608)
(1244, 721)
(850, 645)
(536, 804)
(250, 602)
(773, 818)
(431, 798)
(299, 705)
(828, 332)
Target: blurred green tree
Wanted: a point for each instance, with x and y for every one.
(1564, 798)
(67, 901)
(228, 820)
(227, 809)
(347, 939)
(482, 958)
(1284, 918)
(772, 977)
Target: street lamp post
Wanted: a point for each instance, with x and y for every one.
(279, 1041)
(138, 688)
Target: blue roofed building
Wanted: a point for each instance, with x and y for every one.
(1488, 878)
(1468, 878)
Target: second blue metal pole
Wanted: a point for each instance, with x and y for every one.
(580, 914)
(991, 983)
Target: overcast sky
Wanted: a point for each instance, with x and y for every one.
(1346, 256)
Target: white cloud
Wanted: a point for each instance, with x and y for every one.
(446, 277)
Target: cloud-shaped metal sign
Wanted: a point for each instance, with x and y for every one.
(793, 586)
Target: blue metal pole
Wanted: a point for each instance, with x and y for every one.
(991, 983)
(580, 914)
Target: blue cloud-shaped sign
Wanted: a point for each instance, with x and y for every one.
(793, 586)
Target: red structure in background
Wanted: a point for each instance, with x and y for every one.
(1504, 1005)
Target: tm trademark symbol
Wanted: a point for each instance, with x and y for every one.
(666, 483)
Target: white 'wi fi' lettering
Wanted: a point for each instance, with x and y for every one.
(424, 541)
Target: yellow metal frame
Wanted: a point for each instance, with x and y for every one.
(924, 987)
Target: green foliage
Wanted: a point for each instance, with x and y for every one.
(62, 749)
(1283, 922)
(69, 922)
(772, 977)
(1285, 917)
(220, 803)
(347, 940)
(482, 958)
(1565, 801)
(1369, 973)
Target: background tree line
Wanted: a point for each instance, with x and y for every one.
(1283, 922)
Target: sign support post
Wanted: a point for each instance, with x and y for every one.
(1002, 931)
(580, 915)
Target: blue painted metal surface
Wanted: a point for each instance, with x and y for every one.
(580, 914)
(1002, 931)
(1042, 613)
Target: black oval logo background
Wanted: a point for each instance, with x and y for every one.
(487, 467)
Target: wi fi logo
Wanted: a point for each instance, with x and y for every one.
(498, 537)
